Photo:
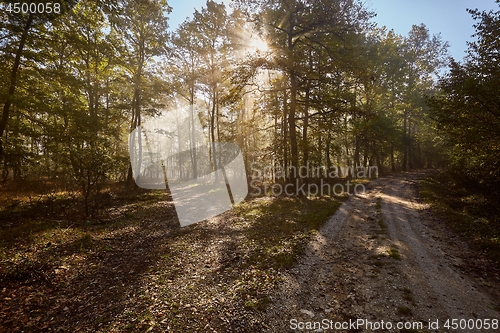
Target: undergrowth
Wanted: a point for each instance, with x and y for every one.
(281, 226)
(467, 211)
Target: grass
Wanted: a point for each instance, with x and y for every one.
(469, 213)
(259, 304)
(282, 226)
(394, 253)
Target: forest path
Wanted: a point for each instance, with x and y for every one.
(382, 257)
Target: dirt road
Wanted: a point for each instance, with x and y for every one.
(382, 261)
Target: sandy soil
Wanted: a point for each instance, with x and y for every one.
(383, 257)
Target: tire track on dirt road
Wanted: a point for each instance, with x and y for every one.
(453, 295)
(378, 259)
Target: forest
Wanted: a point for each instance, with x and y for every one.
(294, 84)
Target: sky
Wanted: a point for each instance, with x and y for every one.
(448, 17)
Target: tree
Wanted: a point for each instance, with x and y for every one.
(143, 27)
(424, 55)
(15, 29)
(79, 67)
(298, 31)
(212, 25)
(184, 68)
(467, 109)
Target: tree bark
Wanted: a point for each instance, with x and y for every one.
(292, 127)
(393, 166)
(285, 134)
(405, 139)
(212, 132)
(305, 148)
(193, 135)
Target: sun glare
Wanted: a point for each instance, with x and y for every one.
(259, 45)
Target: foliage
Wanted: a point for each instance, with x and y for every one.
(467, 109)
(74, 94)
(292, 83)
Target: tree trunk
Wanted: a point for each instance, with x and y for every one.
(305, 144)
(17, 158)
(377, 160)
(356, 151)
(13, 80)
(410, 145)
(293, 99)
(212, 133)
(136, 117)
(405, 139)
(320, 152)
(365, 155)
(328, 158)
(285, 134)
(393, 166)
(292, 126)
(193, 135)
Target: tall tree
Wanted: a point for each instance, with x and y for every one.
(424, 55)
(184, 67)
(143, 27)
(212, 24)
(295, 27)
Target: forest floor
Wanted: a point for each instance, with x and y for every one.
(267, 265)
